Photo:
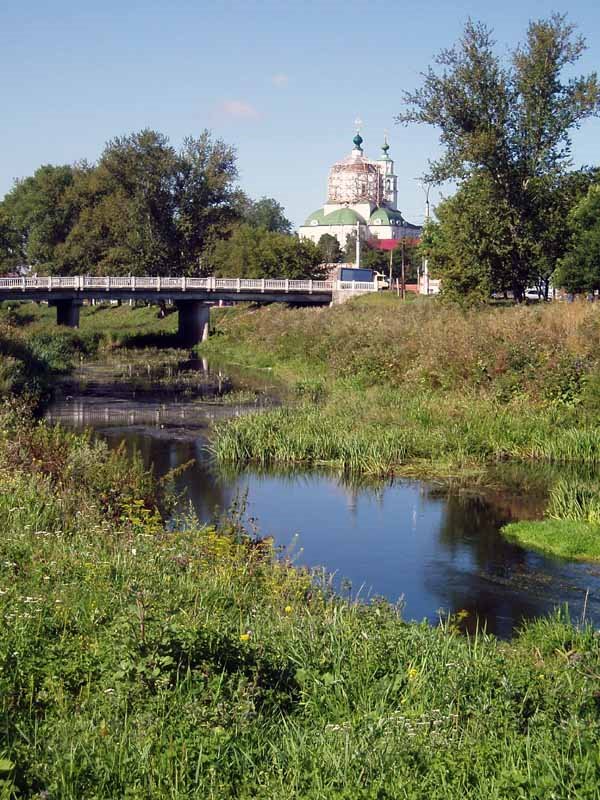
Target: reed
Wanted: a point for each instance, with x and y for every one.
(366, 435)
(575, 500)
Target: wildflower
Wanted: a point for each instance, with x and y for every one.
(244, 637)
(288, 609)
(413, 673)
(133, 551)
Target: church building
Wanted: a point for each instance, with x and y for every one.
(361, 194)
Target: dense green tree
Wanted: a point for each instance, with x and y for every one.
(258, 253)
(38, 214)
(552, 226)
(208, 197)
(144, 208)
(349, 251)
(11, 243)
(266, 213)
(148, 209)
(508, 123)
(579, 270)
(125, 211)
(469, 245)
(330, 251)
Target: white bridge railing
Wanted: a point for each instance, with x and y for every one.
(183, 284)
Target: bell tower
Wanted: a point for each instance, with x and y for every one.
(390, 180)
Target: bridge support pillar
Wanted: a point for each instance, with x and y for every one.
(67, 312)
(194, 318)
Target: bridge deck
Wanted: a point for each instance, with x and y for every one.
(192, 296)
(162, 288)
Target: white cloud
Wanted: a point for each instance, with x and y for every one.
(280, 79)
(238, 109)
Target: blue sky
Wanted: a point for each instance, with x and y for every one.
(282, 81)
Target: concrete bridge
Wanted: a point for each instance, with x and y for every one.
(192, 296)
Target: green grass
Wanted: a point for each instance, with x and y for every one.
(107, 325)
(366, 432)
(573, 530)
(142, 662)
(567, 538)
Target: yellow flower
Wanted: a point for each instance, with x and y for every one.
(288, 609)
(244, 637)
(412, 673)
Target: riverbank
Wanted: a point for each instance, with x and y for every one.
(382, 388)
(139, 661)
(386, 388)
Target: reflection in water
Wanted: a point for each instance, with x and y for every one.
(405, 540)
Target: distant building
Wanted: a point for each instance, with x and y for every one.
(362, 195)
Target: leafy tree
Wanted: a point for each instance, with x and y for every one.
(508, 123)
(374, 258)
(579, 270)
(208, 198)
(349, 251)
(38, 215)
(266, 213)
(148, 209)
(258, 253)
(11, 243)
(468, 248)
(330, 251)
(144, 208)
(552, 237)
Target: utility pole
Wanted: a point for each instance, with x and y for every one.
(425, 266)
(402, 269)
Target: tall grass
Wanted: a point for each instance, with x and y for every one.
(542, 352)
(399, 383)
(363, 434)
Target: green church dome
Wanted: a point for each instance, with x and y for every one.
(343, 216)
(386, 216)
(316, 218)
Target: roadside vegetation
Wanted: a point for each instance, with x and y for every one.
(138, 661)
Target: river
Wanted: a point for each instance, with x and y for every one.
(434, 550)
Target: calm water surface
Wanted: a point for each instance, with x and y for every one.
(437, 552)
